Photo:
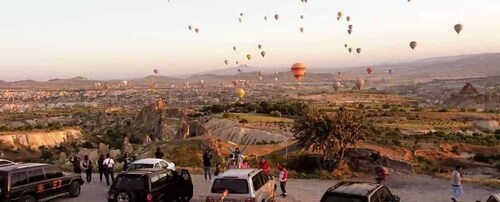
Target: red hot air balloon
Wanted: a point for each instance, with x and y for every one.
(369, 70)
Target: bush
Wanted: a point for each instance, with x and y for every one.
(305, 163)
(482, 158)
(87, 145)
(444, 110)
(386, 106)
(226, 115)
(186, 156)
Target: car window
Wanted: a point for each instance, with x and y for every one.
(257, 182)
(491, 199)
(137, 166)
(18, 179)
(157, 165)
(235, 186)
(159, 179)
(264, 178)
(384, 194)
(185, 174)
(36, 175)
(163, 164)
(130, 182)
(52, 172)
(5, 163)
(343, 198)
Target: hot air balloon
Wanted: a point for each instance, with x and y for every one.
(390, 71)
(345, 45)
(302, 30)
(239, 19)
(338, 18)
(237, 63)
(360, 84)
(241, 14)
(202, 83)
(458, 28)
(234, 48)
(276, 16)
(339, 15)
(197, 30)
(190, 27)
(275, 79)
(337, 86)
(226, 61)
(265, 17)
(413, 45)
(276, 73)
(156, 71)
(358, 50)
(302, 17)
(249, 56)
(350, 50)
(350, 26)
(125, 83)
(263, 53)
(259, 46)
(298, 71)
(369, 70)
(349, 31)
(259, 73)
(348, 18)
(240, 70)
(240, 93)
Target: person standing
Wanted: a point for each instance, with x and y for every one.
(75, 160)
(456, 184)
(126, 161)
(218, 169)
(87, 167)
(100, 166)
(264, 165)
(238, 155)
(109, 165)
(159, 153)
(380, 172)
(245, 165)
(207, 157)
(283, 177)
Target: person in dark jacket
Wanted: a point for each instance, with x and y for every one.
(159, 153)
(75, 160)
(207, 157)
(126, 161)
(100, 166)
(87, 167)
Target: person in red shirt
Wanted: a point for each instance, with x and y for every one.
(380, 172)
(264, 165)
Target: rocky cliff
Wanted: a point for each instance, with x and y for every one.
(229, 130)
(36, 139)
(152, 121)
(469, 97)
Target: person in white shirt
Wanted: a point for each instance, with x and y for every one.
(456, 183)
(109, 164)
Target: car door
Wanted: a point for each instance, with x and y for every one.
(267, 188)
(55, 176)
(44, 188)
(375, 197)
(187, 185)
(18, 184)
(163, 164)
(256, 181)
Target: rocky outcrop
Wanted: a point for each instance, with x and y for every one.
(196, 129)
(183, 130)
(469, 97)
(363, 159)
(36, 139)
(487, 125)
(126, 146)
(229, 130)
(152, 121)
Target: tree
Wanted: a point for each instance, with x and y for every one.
(330, 134)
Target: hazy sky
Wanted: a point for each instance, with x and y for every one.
(106, 39)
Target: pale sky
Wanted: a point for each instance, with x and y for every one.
(114, 39)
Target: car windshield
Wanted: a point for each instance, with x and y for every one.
(137, 166)
(235, 186)
(130, 182)
(344, 198)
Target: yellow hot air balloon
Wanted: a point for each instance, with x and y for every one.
(458, 28)
(413, 45)
(302, 30)
(263, 53)
(240, 93)
(249, 57)
(298, 71)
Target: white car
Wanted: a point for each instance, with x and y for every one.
(247, 185)
(151, 163)
(4, 162)
(494, 198)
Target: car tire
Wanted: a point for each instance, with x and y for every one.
(74, 189)
(124, 196)
(28, 198)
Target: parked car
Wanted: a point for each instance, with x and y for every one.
(151, 163)
(4, 162)
(246, 185)
(354, 191)
(31, 182)
(494, 198)
(151, 185)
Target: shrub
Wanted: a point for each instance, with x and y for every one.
(386, 106)
(243, 121)
(482, 158)
(444, 110)
(87, 145)
(186, 156)
(226, 115)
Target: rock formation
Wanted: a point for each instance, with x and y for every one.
(469, 97)
(183, 130)
(36, 139)
(152, 120)
(126, 146)
(196, 128)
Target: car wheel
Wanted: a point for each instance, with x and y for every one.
(124, 197)
(74, 189)
(28, 198)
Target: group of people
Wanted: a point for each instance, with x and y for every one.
(236, 161)
(105, 165)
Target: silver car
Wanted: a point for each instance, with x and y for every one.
(151, 163)
(245, 185)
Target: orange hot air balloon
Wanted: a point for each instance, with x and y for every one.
(298, 71)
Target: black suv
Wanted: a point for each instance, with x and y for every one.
(151, 185)
(354, 191)
(31, 182)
